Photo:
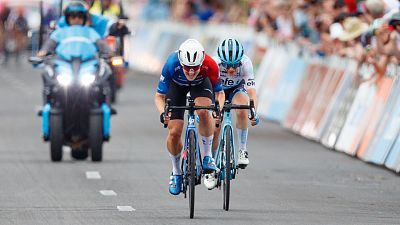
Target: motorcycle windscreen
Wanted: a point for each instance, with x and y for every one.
(76, 47)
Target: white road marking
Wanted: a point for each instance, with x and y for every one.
(93, 175)
(108, 193)
(125, 208)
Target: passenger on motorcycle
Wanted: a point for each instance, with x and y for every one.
(188, 70)
(237, 76)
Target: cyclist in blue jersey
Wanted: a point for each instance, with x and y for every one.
(188, 70)
(237, 77)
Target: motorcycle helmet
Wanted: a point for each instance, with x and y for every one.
(77, 9)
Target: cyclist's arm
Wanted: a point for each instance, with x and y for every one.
(50, 45)
(220, 96)
(253, 95)
(249, 79)
(159, 100)
(162, 89)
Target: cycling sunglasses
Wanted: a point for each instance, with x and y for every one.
(230, 65)
(76, 15)
(188, 68)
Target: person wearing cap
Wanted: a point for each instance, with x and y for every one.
(188, 70)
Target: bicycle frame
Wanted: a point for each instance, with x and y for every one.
(220, 154)
(191, 126)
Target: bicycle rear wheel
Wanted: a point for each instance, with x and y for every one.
(228, 167)
(192, 171)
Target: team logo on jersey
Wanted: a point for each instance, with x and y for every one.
(162, 78)
(251, 83)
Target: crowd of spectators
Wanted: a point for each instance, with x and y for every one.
(13, 32)
(365, 30)
(368, 30)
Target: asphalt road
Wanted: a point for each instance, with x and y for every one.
(289, 181)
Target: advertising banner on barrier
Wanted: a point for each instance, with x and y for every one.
(286, 90)
(393, 159)
(348, 69)
(384, 86)
(387, 132)
(357, 118)
(271, 81)
(320, 75)
(305, 86)
(330, 84)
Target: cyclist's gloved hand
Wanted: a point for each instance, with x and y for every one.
(255, 120)
(164, 119)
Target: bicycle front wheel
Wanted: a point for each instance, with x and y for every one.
(192, 171)
(228, 167)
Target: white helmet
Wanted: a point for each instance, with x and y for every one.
(191, 53)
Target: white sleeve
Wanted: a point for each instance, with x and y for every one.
(248, 73)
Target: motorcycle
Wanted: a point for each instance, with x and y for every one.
(118, 63)
(77, 112)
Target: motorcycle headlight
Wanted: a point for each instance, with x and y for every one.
(87, 79)
(64, 79)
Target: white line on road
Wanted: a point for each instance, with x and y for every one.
(93, 175)
(108, 193)
(125, 208)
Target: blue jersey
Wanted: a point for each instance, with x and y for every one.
(173, 72)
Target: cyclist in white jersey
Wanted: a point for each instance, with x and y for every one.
(237, 78)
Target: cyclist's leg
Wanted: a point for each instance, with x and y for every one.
(177, 95)
(241, 97)
(203, 95)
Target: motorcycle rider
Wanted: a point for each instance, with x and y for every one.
(76, 16)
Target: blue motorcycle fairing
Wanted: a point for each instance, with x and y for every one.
(106, 120)
(99, 24)
(75, 42)
(46, 121)
(62, 66)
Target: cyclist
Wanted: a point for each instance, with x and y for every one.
(237, 76)
(188, 70)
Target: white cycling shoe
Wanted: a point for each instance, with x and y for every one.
(210, 181)
(243, 159)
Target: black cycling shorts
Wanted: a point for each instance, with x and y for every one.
(178, 93)
(231, 92)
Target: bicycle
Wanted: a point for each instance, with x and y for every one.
(191, 157)
(225, 157)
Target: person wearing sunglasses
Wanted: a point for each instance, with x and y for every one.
(237, 76)
(188, 70)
